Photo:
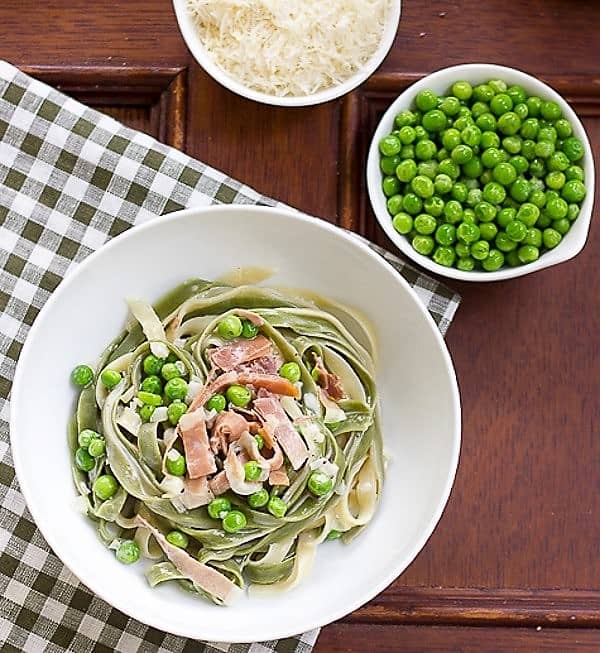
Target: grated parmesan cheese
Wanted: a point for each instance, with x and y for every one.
(295, 47)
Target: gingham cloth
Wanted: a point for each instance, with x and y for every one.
(70, 179)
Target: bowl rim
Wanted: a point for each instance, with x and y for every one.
(131, 609)
(192, 40)
(563, 252)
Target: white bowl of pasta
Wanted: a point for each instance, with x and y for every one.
(344, 444)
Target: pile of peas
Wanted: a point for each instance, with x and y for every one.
(482, 176)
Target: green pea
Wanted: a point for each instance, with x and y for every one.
(509, 123)
(459, 192)
(258, 499)
(573, 191)
(178, 539)
(170, 371)
(445, 234)
(252, 470)
(528, 253)
(320, 483)
(517, 94)
(152, 365)
(537, 168)
(230, 327)
(494, 261)
(512, 144)
(486, 177)
(451, 138)
(105, 486)
(146, 412)
(551, 238)
(494, 193)
(550, 110)
(388, 146)
(234, 521)
(479, 108)
(462, 90)
(466, 264)
(486, 122)
(128, 552)
(175, 410)
(472, 168)
(444, 256)
(512, 259)
(573, 212)
(462, 250)
(555, 180)
(563, 128)
(480, 250)
(471, 135)
(530, 128)
(175, 463)
(558, 161)
(421, 133)
(290, 371)
(485, 211)
(426, 100)
(407, 135)
(505, 216)
(534, 104)
(474, 197)
(528, 214)
(423, 244)
(405, 117)
(238, 395)
(219, 507)
(434, 120)
(277, 507)
(557, 208)
(86, 436)
(97, 447)
(450, 105)
(82, 376)
(442, 184)
(260, 443)
(462, 122)
(176, 389)
(504, 173)
(574, 172)
(521, 110)
(84, 460)
(516, 230)
(520, 190)
(468, 233)
(406, 170)
(491, 157)
(434, 206)
(110, 378)
(483, 93)
(547, 133)
(450, 168)
(441, 154)
(562, 226)
(519, 163)
(533, 237)
(504, 243)
(461, 154)
(412, 203)
(388, 164)
(453, 211)
(333, 535)
(543, 221)
(528, 149)
(403, 223)
(425, 149)
(425, 224)
(489, 139)
(501, 104)
(422, 186)
(544, 149)
(249, 329)
(488, 230)
(152, 384)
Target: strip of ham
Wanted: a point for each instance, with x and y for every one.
(199, 458)
(275, 384)
(219, 483)
(279, 477)
(329, 382)
(278, 425)
(205, 577)
(228, 427)
(231, 356)
(197, 493)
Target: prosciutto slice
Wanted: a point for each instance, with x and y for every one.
(279, 477)
(199, 458)
(231, 356)
(219, 483)
(228, 427)
(277, 424)
(330, 383)
(205, 577)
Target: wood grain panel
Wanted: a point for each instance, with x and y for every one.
(345, 638)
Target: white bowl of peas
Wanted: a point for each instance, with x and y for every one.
(481, 172)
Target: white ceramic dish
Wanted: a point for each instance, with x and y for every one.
(192, 38)
(419, 395)
(439, 82)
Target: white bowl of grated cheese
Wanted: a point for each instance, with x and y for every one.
(296, 53)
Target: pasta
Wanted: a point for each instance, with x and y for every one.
(226, 433)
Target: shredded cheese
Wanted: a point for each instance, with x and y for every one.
(293, 48)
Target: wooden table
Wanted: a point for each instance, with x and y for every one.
(514, 563)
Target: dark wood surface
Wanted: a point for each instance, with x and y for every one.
(519, 543)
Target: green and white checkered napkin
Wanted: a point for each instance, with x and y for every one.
(70, 179)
